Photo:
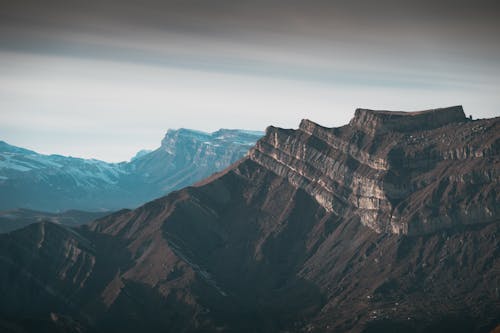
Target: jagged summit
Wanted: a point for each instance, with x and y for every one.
(399, 172)
(382, 121)
(378, 122)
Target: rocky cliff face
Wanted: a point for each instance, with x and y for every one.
(187, 156)
(378, 122)
(399, 172)
(299, 236)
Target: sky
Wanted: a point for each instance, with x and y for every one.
(105, 79)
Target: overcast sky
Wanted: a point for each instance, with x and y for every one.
(104, 79)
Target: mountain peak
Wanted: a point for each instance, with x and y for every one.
(230, 135)
(380, 178)
(381, 121)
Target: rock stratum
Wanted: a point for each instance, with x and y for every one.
(387, 224)
(401, 172)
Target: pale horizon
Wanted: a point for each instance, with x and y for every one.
(105, 81)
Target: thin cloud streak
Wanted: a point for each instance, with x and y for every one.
(123, 73)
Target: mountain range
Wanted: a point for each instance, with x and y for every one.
(387, 224)
(57, 183)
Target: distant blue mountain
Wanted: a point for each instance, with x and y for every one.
(58, 183)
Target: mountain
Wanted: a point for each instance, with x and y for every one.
(18, 218)
(387, 224)
(57, 183)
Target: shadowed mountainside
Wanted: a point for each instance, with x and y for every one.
(389, 223)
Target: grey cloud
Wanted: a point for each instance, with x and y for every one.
(60, 58)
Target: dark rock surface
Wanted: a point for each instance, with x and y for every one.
(300, 236)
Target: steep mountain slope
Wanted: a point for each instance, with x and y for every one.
(350, 229)
(58, 183)
(402, 173)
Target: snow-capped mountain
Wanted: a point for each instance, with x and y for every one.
(56, 183)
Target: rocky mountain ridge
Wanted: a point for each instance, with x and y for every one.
(57, 183)
(383, 167)
(278, 242)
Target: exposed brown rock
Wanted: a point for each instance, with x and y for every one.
(318, 229)
(401, 172)
(378, 122)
